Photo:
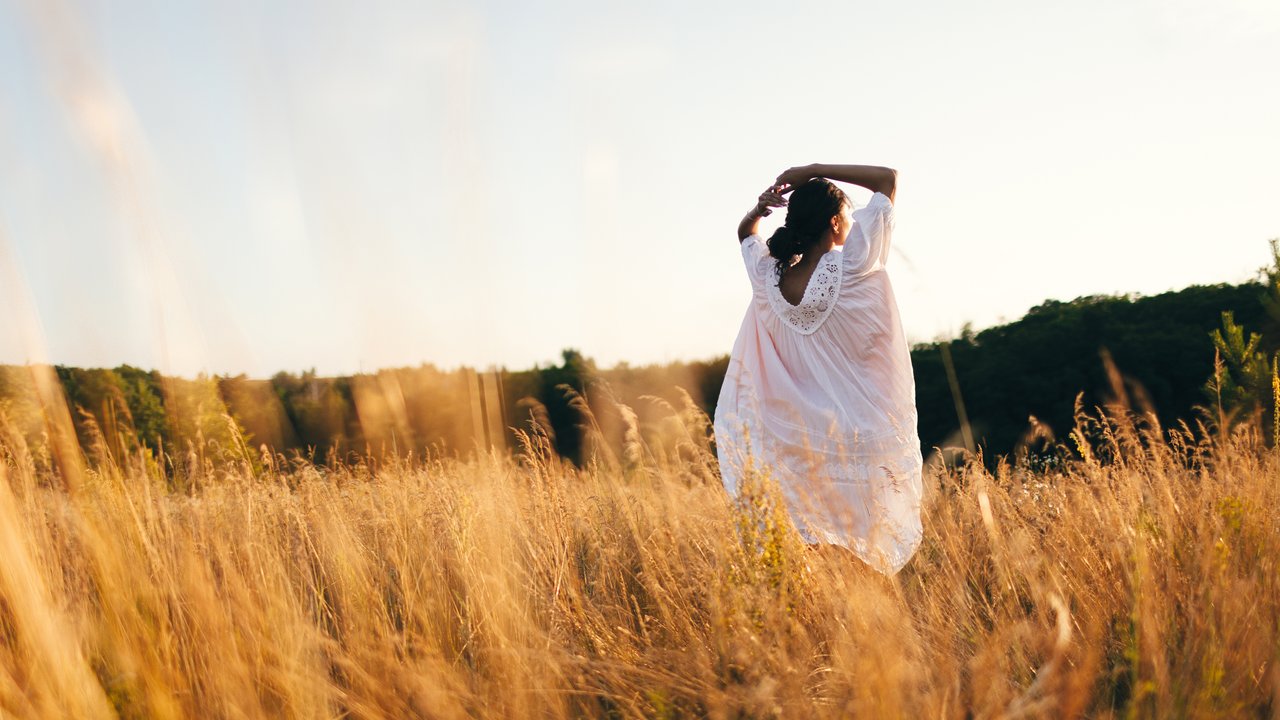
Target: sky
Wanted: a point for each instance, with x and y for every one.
(228, 186)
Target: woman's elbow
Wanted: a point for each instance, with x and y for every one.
(889, 186)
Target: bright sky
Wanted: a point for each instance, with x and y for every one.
(231, 187)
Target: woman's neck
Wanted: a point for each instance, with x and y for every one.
(817, 250)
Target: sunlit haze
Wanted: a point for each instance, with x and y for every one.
(243, 187)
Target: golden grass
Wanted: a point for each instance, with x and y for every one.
(1142, 586)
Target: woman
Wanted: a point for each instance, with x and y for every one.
(819, 393)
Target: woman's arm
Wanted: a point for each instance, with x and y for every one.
(750, 224)
(872, 177)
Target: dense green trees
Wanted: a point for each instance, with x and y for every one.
(1037, 365)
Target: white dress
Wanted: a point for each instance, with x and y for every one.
(820, 395)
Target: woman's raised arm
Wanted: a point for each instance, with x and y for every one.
(872, 177)
(750, 224)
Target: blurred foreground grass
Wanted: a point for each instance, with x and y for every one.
(1139, 581)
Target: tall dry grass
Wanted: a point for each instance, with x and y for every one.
(1140, 581)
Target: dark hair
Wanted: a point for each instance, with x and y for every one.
(809, 212)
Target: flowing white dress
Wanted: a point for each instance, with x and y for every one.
(820, 396)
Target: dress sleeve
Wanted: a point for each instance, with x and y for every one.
(754, 255)
(869, 250)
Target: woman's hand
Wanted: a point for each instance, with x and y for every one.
(794, 177)
(770, 198)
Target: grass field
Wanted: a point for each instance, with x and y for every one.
(1142, 585)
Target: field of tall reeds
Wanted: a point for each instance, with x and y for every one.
(1134, 578)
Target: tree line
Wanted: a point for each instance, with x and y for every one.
(1014, 384)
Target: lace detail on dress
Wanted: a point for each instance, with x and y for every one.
(819, 296)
